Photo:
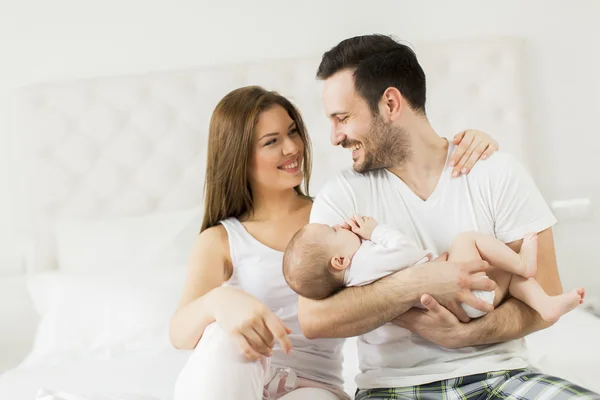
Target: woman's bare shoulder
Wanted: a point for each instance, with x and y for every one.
(213, 243)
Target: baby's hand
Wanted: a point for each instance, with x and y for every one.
(362, 226)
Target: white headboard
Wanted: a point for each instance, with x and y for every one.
(131, 145)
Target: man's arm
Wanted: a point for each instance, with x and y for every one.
(512, 320)
(356, 310)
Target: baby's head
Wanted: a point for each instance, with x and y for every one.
(316, 257)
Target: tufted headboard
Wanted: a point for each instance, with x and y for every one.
(132, 145)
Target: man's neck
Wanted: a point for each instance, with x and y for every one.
(428, 155)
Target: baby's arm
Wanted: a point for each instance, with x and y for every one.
(391, 238)
(362, 226)
(368, 228)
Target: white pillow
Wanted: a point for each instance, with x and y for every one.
(102, 316)
(100, 246)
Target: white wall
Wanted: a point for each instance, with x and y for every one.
(66, 39)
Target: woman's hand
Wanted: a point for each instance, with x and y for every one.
(472, 145)
(252, 325)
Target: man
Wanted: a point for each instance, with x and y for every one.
(374, 95)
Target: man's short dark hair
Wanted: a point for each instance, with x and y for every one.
(379, 62)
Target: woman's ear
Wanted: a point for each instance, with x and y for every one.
(340, 263)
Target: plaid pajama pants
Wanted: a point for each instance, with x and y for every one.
(515, 385)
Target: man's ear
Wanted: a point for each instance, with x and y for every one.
(340, 263)
(392, 104)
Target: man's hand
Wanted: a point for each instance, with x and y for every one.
(362, 226)
(454, 306)
(451, 283)
(434, 323)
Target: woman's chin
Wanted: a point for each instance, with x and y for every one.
(279, 183)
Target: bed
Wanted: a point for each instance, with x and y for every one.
(107, 198)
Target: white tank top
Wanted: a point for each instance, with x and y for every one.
(257, 270)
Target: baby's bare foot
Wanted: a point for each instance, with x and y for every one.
(562, 304)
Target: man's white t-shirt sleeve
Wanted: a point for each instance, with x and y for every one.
(518, 204)
(334, 204)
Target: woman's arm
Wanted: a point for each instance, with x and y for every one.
(206, 272)
(251, 324)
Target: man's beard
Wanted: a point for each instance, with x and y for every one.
(384, 146)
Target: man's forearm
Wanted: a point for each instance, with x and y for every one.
(512, 320)
(357, 310)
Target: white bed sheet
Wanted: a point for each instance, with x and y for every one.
(152, 374)
(570, 349)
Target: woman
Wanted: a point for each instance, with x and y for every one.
(258, 157)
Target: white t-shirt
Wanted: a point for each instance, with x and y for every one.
(388, 251)
(497, 197)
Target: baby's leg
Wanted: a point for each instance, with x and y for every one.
(500, 255)
(551, 308)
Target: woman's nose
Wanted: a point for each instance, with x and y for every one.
(290, 147)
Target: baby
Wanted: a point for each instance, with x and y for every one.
(320, 260)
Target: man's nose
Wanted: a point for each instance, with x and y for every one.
(336, 136)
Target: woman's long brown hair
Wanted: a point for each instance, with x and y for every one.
(230, 145)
